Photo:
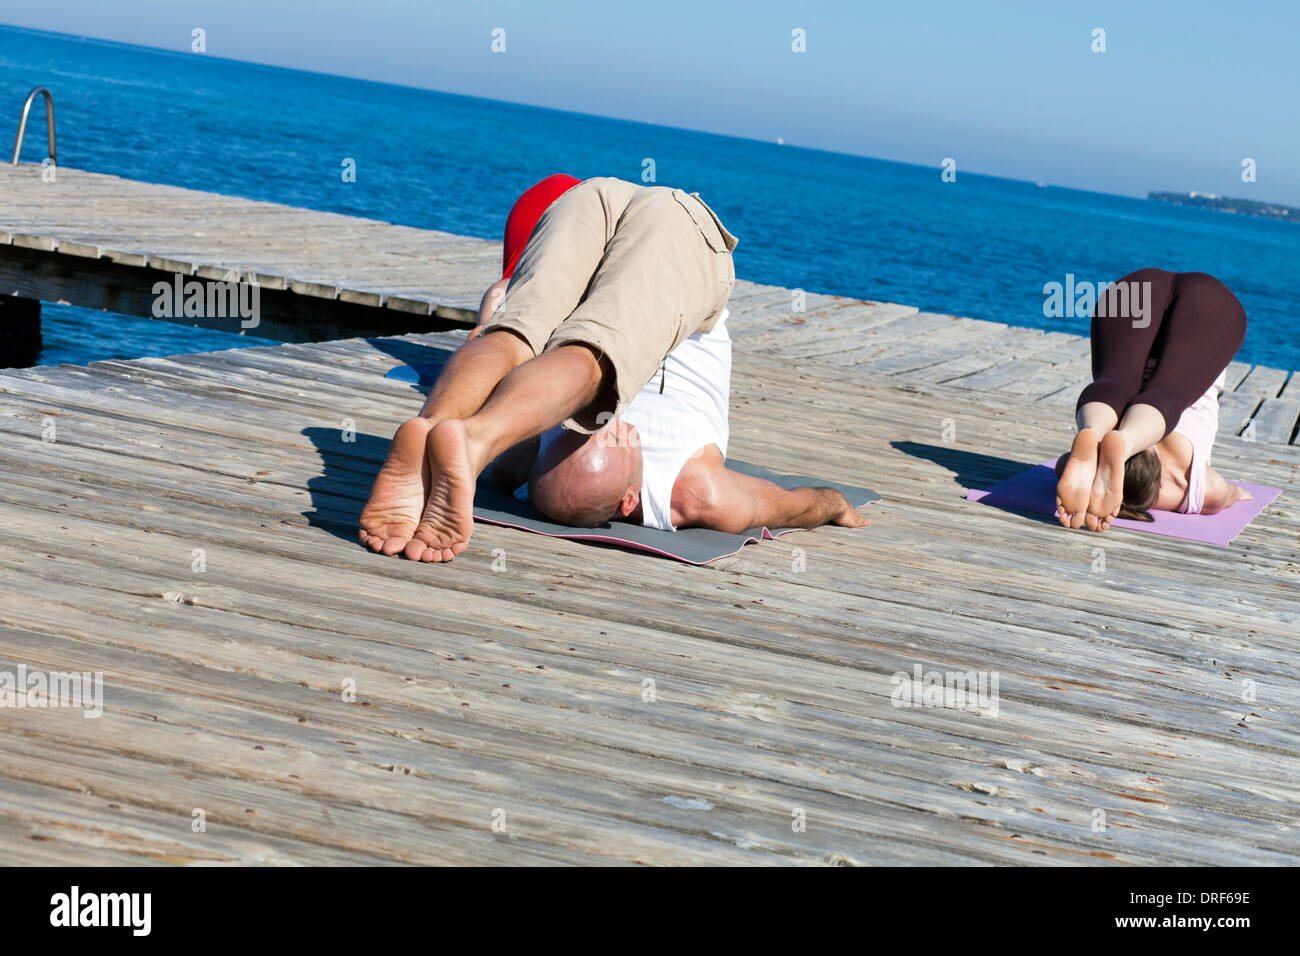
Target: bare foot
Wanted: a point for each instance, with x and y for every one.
(397, 499)
(448, 520)
(1108, 486)
(1074, 489)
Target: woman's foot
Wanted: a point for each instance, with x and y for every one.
(1074, 488)
(1108, 486)
(448, 520)
(397, 499)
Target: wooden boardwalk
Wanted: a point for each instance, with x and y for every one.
(188, 531)
(100, 241)
(186, 526)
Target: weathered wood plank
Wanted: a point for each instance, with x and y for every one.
(1235, 372)
(999, 376)
(1275, 420)
(1235, 410)
(950, 369)
(1292, 388)
(1264, 381)
(168, 230)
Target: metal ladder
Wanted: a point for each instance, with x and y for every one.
(49, 124)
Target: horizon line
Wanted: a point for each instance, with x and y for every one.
(533, 106)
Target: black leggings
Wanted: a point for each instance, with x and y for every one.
(1193, 328)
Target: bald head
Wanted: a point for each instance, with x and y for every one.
(587, 480)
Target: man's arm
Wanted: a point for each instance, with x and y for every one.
(708, 495)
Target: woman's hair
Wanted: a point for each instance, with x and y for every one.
(1141, 485)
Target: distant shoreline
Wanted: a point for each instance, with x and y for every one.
(1243, 207)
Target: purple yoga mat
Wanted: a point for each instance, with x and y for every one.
(1035, 491)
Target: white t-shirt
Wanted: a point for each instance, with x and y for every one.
(680, 411)
(1199, 424)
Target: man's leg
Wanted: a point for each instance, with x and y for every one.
(536, 396)
(472, 372)
(563, 253)
(662, 279)
(401, 488)
(658, 279)
(552, 276)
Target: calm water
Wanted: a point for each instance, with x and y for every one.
(826, 222)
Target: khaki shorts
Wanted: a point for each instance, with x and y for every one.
(630, 271)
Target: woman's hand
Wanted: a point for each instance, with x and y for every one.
(1221, 494)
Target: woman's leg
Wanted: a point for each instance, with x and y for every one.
(1125, 323)
(1079, 469)
(1140, 428)
(1204, 328)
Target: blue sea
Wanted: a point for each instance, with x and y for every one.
(980, 246)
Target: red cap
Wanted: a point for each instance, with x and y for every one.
(527, 210)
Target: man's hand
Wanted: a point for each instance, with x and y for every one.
(848, 516)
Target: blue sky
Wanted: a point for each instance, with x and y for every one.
(1184, 92)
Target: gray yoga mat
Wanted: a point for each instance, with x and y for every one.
(691, 545)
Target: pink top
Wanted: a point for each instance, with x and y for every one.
(1199, 424)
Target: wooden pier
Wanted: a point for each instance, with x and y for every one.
(102, 242)
(186, 526)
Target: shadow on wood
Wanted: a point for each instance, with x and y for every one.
(424, 363)
(970, 469)
(350, 462)
(974, 470)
